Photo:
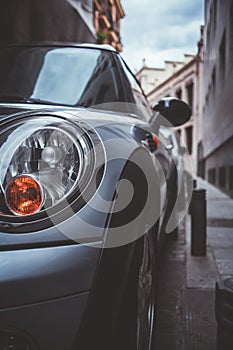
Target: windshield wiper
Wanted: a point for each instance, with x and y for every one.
(21, 99)
(43, 102)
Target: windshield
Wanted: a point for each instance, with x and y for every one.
(70, 76)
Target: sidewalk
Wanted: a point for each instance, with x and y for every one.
(219, 260)
(202, 273)
(186, 296)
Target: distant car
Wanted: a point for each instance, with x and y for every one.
(174, 143)
(86, 190)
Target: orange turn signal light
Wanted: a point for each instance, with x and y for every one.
(24, 195)
(156, 141)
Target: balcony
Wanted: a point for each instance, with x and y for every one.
(104, 21)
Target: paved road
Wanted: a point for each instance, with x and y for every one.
(170, 327)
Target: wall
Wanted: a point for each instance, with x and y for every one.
(218, 87)
(42, 20)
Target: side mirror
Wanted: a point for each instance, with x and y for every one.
(175, 111)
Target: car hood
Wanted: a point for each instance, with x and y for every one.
(104, 122)
(7, 109)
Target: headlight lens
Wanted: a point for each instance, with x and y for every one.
(42, 160)
(24, 195)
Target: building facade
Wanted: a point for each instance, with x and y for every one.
(107, 17)
(53, 20)
(217, 94)
(151, 78)
(182, 80)
(80, 21)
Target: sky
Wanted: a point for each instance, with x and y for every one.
(159, 30)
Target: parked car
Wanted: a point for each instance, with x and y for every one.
(86, 189)
(173, 143)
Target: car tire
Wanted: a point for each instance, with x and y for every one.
(135, 324)
(146, 295)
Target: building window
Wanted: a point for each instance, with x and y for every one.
(212, 176)
(190, 95)
(222, 176)
(222, 57)
(208, 40)
(178, 137)
(209, 175)
(189, 138)
(231, 178)
(214, 81)
(179, 94)
(211, 19)
(207, 100)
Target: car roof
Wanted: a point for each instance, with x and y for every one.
(60, 44)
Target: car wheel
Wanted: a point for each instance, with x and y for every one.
(135, 324)
(146, 295)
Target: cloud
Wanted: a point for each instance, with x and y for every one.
(177, 36)
(158, 28)
(183, 8)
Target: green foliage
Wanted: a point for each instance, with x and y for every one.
(102, 36)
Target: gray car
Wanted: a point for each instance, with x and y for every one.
(85, 193)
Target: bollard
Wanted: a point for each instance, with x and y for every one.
(194, 183)
(190, 204)
(198, 223)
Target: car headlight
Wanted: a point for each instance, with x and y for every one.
(43, 160)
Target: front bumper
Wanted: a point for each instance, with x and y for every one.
(43, 294)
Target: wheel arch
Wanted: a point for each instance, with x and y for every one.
(118, 262)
